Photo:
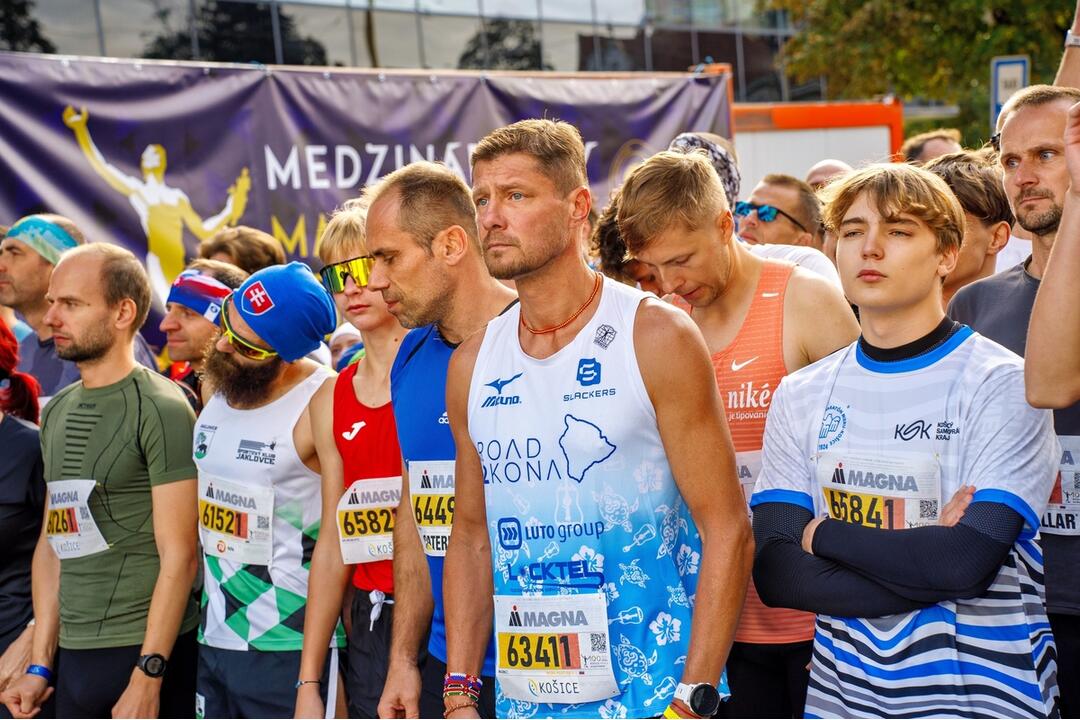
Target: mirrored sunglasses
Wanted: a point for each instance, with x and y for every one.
(358, 268)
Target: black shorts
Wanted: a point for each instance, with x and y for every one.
(91, 681)
(250, 683)
(369, 655)
(431, 685)
(767, 681)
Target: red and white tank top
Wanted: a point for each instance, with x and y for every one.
(366, 439)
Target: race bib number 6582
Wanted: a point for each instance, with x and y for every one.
(366, 519)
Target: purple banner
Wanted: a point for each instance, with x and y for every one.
(156, 155)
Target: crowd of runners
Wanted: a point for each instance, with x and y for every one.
(519, 451)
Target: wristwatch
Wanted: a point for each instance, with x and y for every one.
(153, 665)
(702, 698)
(1071, 40)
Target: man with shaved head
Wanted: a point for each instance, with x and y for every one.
(825, 171)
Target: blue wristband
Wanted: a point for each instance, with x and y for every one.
(41, 671)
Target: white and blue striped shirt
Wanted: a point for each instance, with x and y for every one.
(887, 445)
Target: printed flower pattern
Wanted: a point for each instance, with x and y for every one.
(666, 628)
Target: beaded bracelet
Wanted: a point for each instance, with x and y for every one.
(454, 707)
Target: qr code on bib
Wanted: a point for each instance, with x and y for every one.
(928, 509)
(598, 641)
(263, 522)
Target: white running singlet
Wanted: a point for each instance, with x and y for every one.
(594, 553)
(259, 514)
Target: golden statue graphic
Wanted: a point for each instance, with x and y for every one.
(163, 211)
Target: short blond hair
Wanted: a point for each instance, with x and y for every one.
(554, 144)
(896, 188)
(431, 199)
(668, 188)
(344, 234)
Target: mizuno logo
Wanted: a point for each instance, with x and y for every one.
(498, 384)
(350, 434)
(737, 366)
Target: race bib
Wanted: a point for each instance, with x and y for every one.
(748, 465)
(554, 649)
(431, 485)
(365, 519)
(70, 525)
(888, 493)
(236, 521)
(1063, 511)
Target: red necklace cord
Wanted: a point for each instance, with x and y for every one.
(572, 318)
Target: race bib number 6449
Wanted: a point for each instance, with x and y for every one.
(431, 486)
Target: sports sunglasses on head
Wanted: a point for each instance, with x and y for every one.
(765, 213)
(358, 268)
(243, 347)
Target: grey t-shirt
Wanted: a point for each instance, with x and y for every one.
(999, 307)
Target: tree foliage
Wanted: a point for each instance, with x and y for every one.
(19, 30)
(503, 44)
(234, 32)
(937, 50)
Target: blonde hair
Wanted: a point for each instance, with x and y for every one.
(344, 236)
(554, 144)
(668, 188)
(894, 189)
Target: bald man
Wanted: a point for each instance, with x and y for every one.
(823, 172)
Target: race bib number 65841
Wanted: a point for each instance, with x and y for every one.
(885, 493)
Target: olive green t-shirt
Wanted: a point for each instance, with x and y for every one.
(127, 437)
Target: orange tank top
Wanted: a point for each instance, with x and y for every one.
(747, 373)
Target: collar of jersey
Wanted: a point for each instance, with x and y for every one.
(914, 363)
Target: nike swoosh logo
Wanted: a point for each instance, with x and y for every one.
(737, 366)
(775, 294)
(350, 434)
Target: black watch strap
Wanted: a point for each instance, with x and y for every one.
(152, 665)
